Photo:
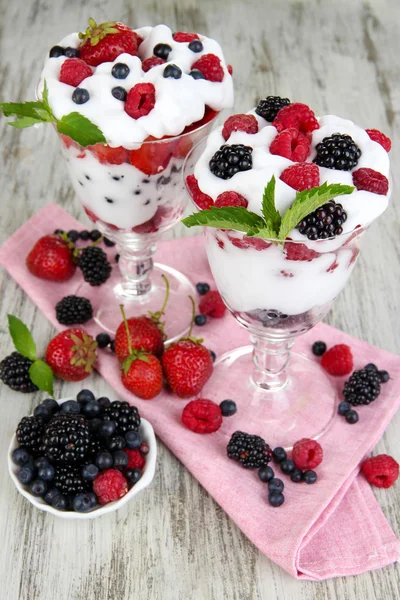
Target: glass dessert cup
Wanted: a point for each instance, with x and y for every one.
(133, 197)
(277, 291)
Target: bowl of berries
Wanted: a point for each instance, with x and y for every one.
(82, 458)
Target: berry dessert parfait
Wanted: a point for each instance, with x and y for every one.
(285, 198)
(128, 106)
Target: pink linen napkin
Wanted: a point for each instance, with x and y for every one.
(329, 529)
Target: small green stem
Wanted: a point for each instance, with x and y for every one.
(128, 335)
(193, 315)
(164, 306)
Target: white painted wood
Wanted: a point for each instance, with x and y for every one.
(175, 543)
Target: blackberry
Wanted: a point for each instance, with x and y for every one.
(69, 481)
(338, 151)
(14, 372)
(250, 450)
(229, 160)
(270, 106)
(94, 265)
(325, 222)
(73, 310)
(66, 439)
(29, 434)
(363, 387)
(125, 416)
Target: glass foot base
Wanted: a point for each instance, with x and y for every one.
(305, 407)
(178, 313)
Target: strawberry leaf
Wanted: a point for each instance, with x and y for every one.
(271, 215)
(226, 217)
(80, 129)
(22, 338)
(42, 376)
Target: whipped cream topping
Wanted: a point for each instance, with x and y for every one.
(179, 102)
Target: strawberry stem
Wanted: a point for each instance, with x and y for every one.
(164, 305)
(128, 335)
(193, 316)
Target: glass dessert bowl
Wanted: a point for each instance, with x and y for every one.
(278, 277)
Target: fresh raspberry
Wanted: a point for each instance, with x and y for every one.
(246, 123)
(291, 144)
(183, 36)
(307, 454)
(109, 486)
(212, 305)
(231, 199)
(381, 471)
(136, 459)
(370, 181)
(107, 154)
(381, 138)
(73, 71)
(151, 62)
(296, 251)
(250, 242)
(302, 176)
(230, 69)
(202, 200)
(202, 416)
(141, 100)
(210, 66)
(296, 115)
(338, 360)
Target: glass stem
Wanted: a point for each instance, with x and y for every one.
(135, 264)
(271, 359)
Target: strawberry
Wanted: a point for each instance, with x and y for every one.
(107, 154)
(71, 355)
(105, 42)
(152, 158)
(52, 258)
(183, 36)
(142, 375)
(145, 335)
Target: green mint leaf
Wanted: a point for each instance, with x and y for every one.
(226, 217)
(308, 201)
(266, 233)
(42, 376)
(45, 98)
(271, 215)
(35, 110)
(25, 122)
(22, 338)
(80, 129)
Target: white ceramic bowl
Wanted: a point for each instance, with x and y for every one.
(147, 433)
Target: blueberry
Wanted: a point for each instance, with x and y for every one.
(371, 367)
(213, 355)
(106, 429)
(319, 348)
(310, 476)
(172, 71)
(84, 235)
(51, 405)
(276, 485)
(117, 442)
(38, 487)
(112, 346)
(121, 460)
(196, 74)
(26, 474)
(279, 454)
(93, 498)
(40, 462)
(50, 494)
(95, 235)
(73, 235)
(276, 498)
(344, 408)
(59, 231)
(228, 408)
(133, 475)
(108, 243)
(94, 424)
(71, 406)
(91, 409)
(82, 503)
(56, 51)
(103, 339)
(104, 402)
(287, 466)
(20, 456)
(195, 46)
(90, 472)
(202, 288)
(133, 440)
(80, 96)
(117, 257)
(120, 71)
(383, 376)
(43, 412)
(71, 52)
(162, 50)
(119, 93)
(85, 396)
(144, 448)
(296, 476)
(46, 473)
(200, 320)
(351, 417)
(265, 474)
(104, 460)
(59, 502)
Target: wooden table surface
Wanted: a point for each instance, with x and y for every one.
(175, 542)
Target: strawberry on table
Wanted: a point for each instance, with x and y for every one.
(106, 41)
(52, 258)
(71, 355)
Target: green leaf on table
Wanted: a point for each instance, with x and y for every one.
(22, 338)
(226, 217)
(42, 376)
(271, 215)
(80, 129)
(308, 201)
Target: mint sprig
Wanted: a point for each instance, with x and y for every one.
(226, 217)
(74, 125)
(271, 215)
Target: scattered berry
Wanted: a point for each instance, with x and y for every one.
(323, 223)
(14, 372)
(44, 413)
(287, 466)
(231, 199)
(381, 138)
(106, 41)
(125, 416)
(307, 454)
(383, 376)
(302, 176)
(73, 235)
(276, 485)
(116, 442)
(73, 310)
(210, 66)
(119, 93)
(296, 115)
(202, 416)
(110, 486)
(133, 475)
(151, 62)
(20, 456)
(187, 366)
(196, 74)
(120, 459)
(133, 440)
(200, 320)
(80, 96)
(344, 408)
(29, 434)
(141, 100)
(90, 472)
(172, 71)
(265, 474)
(142, 375)
(212, 305)
(276, 498)
(144, 334)
(71, 355)
(363, 387)
(229, 160)
(85, 396)
(104, 402)
(202, 200)
(296, 251)
(144, 448)
(91, 410)
(103, 340)
(351, 417)
(371, 181)
(73, 71)
(228, 408)
(195, 46)
(104, 460)
(71, 52)
(338, 360)
(51, 404)
(250, 450)
(135, 459)
(120, 71)
(38, 487)
(213, 356)
(338, 151)
(310, 476)
(292, 144)
(68, 480)
(381, 471)
(94, 265)
(202, 288)
(51, 258)
(58, 501)
(162, 51)
(82, 503)
(66, 439)
(269, 107)
(46, 473)
(296, 476)
(241, 122)
(279, 454)
(183, 36)
(56, 51)
(319, 348)
(26, 474)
